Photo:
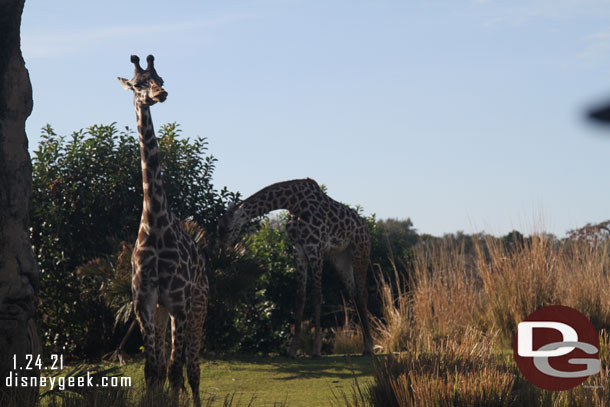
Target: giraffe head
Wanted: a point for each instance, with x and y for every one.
(146, 83)
(230, 224)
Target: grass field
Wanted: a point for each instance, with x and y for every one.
(302, 382)
(273, 380)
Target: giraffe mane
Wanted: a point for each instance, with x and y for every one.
(282, 184)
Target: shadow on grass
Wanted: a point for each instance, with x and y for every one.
(329, 367)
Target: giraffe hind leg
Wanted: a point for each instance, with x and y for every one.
(193, 342)
(361, 264)
(352, 269)
(179, 329)
(161, 320)
(316, 265)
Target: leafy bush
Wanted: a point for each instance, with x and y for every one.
(271, 303)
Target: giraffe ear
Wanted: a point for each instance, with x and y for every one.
(125, 83)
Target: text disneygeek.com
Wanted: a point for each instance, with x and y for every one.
(61, 383)
(17, 378)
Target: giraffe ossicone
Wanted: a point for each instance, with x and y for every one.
(319, 227)
(169, 278)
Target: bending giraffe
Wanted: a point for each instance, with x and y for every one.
(168, 277)
(319, 226)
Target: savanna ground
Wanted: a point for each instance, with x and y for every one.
(445, 334)
(269, 381)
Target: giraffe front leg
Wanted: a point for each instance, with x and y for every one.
(361, 299)
(143, 308)
(316, 267)
(301, 291)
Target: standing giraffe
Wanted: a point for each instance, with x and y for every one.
(319, 226)
(169, 274)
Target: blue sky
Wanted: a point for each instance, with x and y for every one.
(462, 115)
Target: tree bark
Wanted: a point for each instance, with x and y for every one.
(18, 271)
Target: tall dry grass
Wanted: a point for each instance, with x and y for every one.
(394, 328)
(444, 290)
(348, 338)
(542, 272)
(516, 281)
(451, 331)
(494, 287)
(443, 372)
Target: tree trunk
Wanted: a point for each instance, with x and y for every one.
(18, 271)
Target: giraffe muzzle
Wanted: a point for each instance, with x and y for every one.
(160, 96)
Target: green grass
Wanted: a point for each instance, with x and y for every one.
(275, 379)
(301, 382)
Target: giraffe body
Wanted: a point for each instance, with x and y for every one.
(319, 227)
(169, 280)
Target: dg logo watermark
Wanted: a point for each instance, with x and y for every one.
(557, 348)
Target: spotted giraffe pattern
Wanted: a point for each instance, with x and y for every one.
(319, 227)
(169, 278)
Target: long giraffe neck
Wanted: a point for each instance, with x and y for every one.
(155, 201)
(287, 195)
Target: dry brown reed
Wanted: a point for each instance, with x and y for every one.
(455, 325)
(394, 328)
(444, 290)
(348, 338)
